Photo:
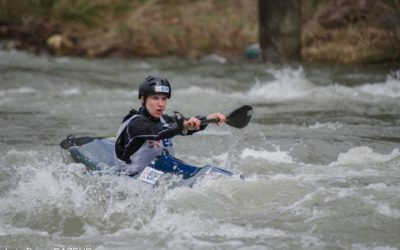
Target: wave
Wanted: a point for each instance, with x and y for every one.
(288, 84)
(389, 88)
(198, 89)
(20, 90)
(277, 156)
(326, 125)
(292, 84)
(72, 91)
(363, 155)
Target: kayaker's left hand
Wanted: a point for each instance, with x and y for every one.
(221, 118)
(192, 124)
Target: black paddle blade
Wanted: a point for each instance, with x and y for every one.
(239, 118)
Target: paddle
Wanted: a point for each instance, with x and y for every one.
(238, 118)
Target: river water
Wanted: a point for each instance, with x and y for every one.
(320, 158)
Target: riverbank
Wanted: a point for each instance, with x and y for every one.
(131, 28)
(342, 31)
(351, 31)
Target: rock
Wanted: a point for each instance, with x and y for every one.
(9, 45)
(214, 58)
(59, 44)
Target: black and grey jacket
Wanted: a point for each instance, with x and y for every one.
(142, 137)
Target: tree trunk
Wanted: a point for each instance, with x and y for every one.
(280, 29)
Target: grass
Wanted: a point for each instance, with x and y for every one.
(198, 27)
(143, 27)
(355, 36)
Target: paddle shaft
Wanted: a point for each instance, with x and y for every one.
(208, 121)
(238, 118)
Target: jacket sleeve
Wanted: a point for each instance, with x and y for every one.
(171, 119)
(202, 127)
(143, 128)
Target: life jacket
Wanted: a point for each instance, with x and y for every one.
(146, 153)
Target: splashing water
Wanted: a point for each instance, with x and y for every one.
(320, 158)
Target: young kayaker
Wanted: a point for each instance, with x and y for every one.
(145, 133)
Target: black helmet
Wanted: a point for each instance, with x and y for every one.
(154, 84)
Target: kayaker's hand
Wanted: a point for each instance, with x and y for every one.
(192, 124)
(179, 119)
(221, 118)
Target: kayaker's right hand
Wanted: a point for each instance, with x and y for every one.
(221, 118)
(192, 124)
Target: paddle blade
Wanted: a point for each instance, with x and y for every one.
(239, 118)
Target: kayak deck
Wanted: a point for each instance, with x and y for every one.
(97, 154)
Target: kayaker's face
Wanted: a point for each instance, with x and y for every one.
(155, 105)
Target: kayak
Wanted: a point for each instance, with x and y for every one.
(97, 154)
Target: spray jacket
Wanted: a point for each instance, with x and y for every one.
(142, 137)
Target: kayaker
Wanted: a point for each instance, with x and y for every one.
(145, 133)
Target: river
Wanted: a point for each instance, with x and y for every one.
(320, 158)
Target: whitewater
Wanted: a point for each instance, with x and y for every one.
(320, 159)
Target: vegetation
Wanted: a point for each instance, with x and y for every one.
(133, 27)
(351, 31)
(346, 31)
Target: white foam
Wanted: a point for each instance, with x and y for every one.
(197, 90)
(388, 211)
(21, 90)
(288, 84)
(186, 226)
(120, 92)
(363, 154)
(292, 84)
(329, 125)
(62, 59)
(389, 88)
(7, 230)
(377, 186)
(72, 91)
(42, 187)
(365, 247)
(16, 157)
(277, 156)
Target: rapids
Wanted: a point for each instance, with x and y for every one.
(321, 157)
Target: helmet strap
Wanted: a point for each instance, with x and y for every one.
(143, 101)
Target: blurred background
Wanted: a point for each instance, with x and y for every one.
(345, 31)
